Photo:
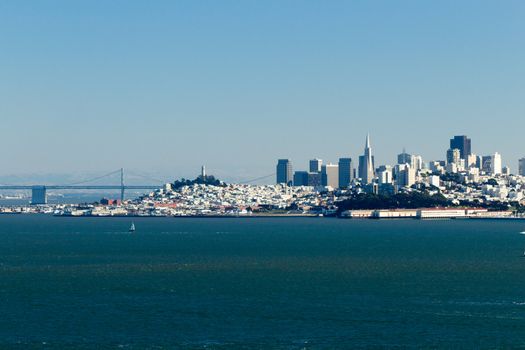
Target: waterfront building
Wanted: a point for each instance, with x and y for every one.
(315, 165)
(284, 172)
(330, 175)
(345, 172)
(496, 167)
(463, 144)
(521, 170)
(366, 163)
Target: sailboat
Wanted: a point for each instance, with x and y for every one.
(132, 227)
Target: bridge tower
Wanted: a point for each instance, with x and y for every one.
(38, 195)
(122, 184)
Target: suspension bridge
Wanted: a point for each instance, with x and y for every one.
(39, 192)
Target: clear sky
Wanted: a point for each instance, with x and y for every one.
(165, 86)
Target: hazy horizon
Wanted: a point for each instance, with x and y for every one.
(163, 87)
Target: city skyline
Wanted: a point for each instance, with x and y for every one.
(232, 177)
(406, 171)
(166, 87)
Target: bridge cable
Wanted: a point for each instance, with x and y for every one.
(133, 173)
(94, 179)
(257, 179)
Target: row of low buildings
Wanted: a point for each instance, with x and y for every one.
(428, 213)
(209, 200)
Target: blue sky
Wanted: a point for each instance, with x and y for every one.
(165, 86)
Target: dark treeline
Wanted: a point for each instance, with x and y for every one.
(201, 180)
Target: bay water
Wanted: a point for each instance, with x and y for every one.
(268, 283)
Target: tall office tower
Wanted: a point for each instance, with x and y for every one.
(453, 156)
(330, 175)
(315, 165)
(284, 172)
(314, 179)
(384, 174)
(462, 143)
(479, 162)
(404, 158)
(300, 178)
(496, 168)
(417, 162)
(521, 167)
(345, 172)
(486, 164)
(366, 163)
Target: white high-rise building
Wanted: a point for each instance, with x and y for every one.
(472, 161)
(434, 180)
(366, 164)
(385, 175)
(496, 167)
(406, 175)
(417, 162)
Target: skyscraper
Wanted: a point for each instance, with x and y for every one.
(384, 174)
(315, 165)
(522, 167)
(462, 143)
(284, 172)
(404, 158)
(496, 164)
(330, 175)
(366, 163)
(345, 172)
(453, 156)
(300, 178)
(486, 164)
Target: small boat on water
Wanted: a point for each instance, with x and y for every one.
(132, 227)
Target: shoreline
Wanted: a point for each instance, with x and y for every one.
(271, 216)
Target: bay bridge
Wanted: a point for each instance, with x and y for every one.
(39, 192)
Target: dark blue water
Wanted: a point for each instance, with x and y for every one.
(260, 283)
